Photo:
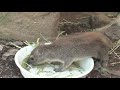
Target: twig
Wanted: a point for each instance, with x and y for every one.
(115, 47)
(16, 45)
(28, 65)
(60, 34)
(64, 20)
(83, 17)
(115, 63)
(117, 55)
(27, 43)
(38, 40)
(44, 38)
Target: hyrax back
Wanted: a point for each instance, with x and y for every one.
(71, 48)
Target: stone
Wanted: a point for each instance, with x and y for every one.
(97, 20)
(28, 25)
(9, 53)
(1, 47)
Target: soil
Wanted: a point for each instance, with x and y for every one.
(115, 69)
(8, 68)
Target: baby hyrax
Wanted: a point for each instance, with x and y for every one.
(71, 48)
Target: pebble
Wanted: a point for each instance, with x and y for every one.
(8, 53)
(1, 47)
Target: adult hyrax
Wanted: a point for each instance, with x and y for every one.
(75, 47)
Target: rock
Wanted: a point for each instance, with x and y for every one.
(4, 49)
(28, 25)
(1, 47)
(18, 43)
(82, 21)
(9, 53)
(98, 18)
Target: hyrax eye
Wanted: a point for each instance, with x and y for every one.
(31, 58)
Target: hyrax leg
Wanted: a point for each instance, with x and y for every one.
(64, 66)
(104, 63)
(97, 65)
(104, 59)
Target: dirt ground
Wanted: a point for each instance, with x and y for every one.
(8, 69)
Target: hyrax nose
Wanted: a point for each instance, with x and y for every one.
(30, 60)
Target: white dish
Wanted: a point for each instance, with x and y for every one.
(86, 64)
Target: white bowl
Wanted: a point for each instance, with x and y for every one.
(86, 64)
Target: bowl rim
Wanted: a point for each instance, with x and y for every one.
(37, 76)
(19, 65)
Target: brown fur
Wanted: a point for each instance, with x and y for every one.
(68, 49)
